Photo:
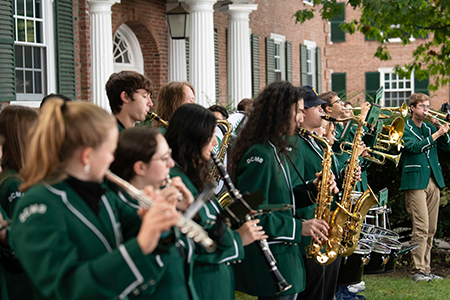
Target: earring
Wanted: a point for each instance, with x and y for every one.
(87, 168)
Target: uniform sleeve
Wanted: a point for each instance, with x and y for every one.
(42, 240)
(416, 146)
(444, 142)
(255, 172)
(10, 194)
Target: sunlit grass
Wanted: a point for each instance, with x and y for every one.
(391, 287)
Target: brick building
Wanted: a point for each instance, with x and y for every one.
(234, 49)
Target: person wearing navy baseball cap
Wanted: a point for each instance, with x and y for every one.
(320, 280)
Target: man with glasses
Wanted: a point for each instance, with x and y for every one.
(421, 180)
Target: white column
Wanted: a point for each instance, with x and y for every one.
(201, 52)
(177, 60)
(101, 49)
(239, 70)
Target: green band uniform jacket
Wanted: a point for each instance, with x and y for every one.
(70, 253)
(263, 168)
(9, 190)
(311, 161)
(420, 157)
(177, 282)
(213, 274)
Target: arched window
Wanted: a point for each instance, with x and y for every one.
(127, 51)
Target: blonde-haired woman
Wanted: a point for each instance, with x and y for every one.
(74, 237)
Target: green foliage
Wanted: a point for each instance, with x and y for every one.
(382, 20)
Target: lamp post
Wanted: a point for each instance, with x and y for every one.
(179, 23)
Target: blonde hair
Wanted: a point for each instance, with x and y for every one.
(170, 98)
(62, 129)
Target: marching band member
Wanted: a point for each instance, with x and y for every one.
(75, 238)
(421, 180)
(143, 158)
(15, 122)
(259, 162)
(320, 280)
(191, 137)
(130, 97)
(171, 96)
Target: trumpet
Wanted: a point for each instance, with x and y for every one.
(403, 110)
(380, 161)
(437, 115)
(155, 117)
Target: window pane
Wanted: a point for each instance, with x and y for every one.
(277, 75)
(21, 30)
(387, 103)
(119, 59)
(401, 95)
(20, 8)
(19, 56)
(37, 57)
(39, 30)
(29, 82)
(394, 85)
(19, 81)
(38, 82)
(386, 85)
(30, 31)
(29, 6)
(408, 84)
(400, 85)
(38, 8)
(28, 57)
(127, 58)
(310, 79)
(386, 76)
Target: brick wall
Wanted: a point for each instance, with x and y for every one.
(82, 49)
(355, 57)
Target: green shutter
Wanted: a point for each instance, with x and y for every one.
(339, 84)
(303, 65)
(65, 50)
(254, 43)
(187, 58)
(216, 61)
(372, 85)
(318, 70)
(270, 60)
(421, 86)
(7, 77)
(337, 34)
(288, 48)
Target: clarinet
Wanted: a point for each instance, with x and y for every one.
(187, 226)
(281, 283)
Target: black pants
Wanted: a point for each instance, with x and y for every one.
(320, 280)
(288, 297)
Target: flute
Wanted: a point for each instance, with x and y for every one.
(187, 226)
(281, 283)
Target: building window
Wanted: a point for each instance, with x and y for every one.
(34, 49)
(311, 64)
(127, 51)
(279, 56)
(310, 2)
(396, 89)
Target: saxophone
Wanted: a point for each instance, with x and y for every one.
(323, 210)
(352, 225)
(224, 197)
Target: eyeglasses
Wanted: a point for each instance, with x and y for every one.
(337, 101)
(166, 158)
(422, 106)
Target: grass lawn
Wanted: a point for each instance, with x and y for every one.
(395, 287)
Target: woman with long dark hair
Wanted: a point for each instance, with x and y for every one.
(259, 162)
(191, 137)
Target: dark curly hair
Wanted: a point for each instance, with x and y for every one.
(269, 119)
(190, 129)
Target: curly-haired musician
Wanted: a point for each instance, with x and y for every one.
(259, 162)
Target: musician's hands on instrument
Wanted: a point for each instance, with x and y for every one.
(441, 131)
(332, 184)
(250, 232)
(363, 150)
(156, 220)
(315, 228)
(177, 186)
(358, 173)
